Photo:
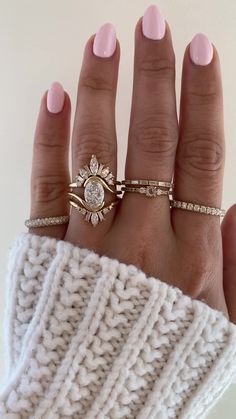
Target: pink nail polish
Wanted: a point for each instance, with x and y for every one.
(55, 98)
(201, 50)
(104, 44)
(153, 23)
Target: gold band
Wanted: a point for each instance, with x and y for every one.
(150, 191)
(203, 209)
(148, 183)
(47, 221)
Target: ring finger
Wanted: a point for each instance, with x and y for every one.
(94, 126)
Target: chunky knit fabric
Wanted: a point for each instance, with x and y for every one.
(89, 337)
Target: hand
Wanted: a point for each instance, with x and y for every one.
(180, 247)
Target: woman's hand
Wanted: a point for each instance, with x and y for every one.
(180, 247)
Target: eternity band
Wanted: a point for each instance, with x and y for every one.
(189, 206)
(47, 221)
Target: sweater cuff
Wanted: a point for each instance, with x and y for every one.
(92, 337)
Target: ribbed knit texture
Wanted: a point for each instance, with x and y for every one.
(89, 337)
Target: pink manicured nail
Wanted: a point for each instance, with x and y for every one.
(55, 98)
(201, 50)
(104, 44)
(153, 23)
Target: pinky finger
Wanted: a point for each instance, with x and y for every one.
(50, 171)
(229, 258)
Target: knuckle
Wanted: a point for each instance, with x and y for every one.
(199, 275)
(96, 83)
(202, 153)
(50, 142)
(94, 139)
(203, 97)
(156, 140)
(156, 67)
(47, 189)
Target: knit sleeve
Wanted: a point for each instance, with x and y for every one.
(90, 337)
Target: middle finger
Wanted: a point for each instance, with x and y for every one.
(153, 130)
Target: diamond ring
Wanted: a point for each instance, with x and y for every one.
(95, 179)
(150, 191)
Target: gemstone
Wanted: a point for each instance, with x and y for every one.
(100, 214)
(83, 173)
(190, 206)
(93, 165)
(94, 193)
(105, 172)
(151, 191)
(79, 181)
(184, 205)
(196, 207)
(101, 166)
(88, 215)
(94, 219)
(109, 176)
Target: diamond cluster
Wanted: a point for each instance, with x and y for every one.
(151, 191)
(94, 169)
(94, 217)
(94, 193)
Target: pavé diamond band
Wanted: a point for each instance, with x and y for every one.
(203, 209)
(95, 179)
(47, 221)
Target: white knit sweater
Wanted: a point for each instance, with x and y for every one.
(89, 337)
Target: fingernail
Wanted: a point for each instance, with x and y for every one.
(104, 44)
(55, 98)
(201, 50)
(153, 23)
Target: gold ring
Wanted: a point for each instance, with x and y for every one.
(150, 191)
(47, 221)
(203, 209)
(145, 182)
(94, 178)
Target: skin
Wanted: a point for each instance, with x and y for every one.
(194, 252)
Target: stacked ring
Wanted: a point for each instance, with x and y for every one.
(94, 178)
(151, 188)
